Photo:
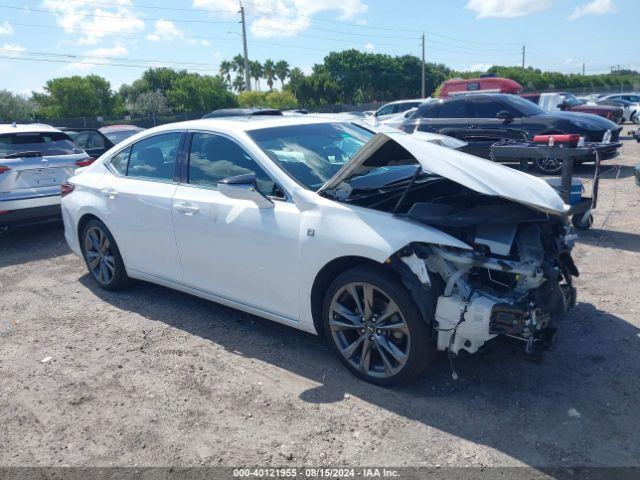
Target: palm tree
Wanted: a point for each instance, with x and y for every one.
(269, 72)
(282, 71)
(256, 72)
(238, 83)
(226, 67)
(238, 64)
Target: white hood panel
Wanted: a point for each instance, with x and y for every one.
(480, 175)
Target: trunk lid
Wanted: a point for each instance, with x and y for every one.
(477, 174)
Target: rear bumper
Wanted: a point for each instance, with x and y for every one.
(28, 215)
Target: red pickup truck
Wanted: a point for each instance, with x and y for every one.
(569, 103)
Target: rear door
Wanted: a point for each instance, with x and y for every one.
(36, 164)
(135, 203)
(485, 128)
(446, 118)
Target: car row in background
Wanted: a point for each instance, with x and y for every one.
(481, 120)
(97, 141)
(568, 102)
(35, 160)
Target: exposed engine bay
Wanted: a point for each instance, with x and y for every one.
(514, 283)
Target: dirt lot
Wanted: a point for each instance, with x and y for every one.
(156, 377)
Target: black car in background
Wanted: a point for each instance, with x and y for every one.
(90, 140)
(484, 119)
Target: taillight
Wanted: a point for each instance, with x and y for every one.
(66, 189)
(85, 162)
(4, 168)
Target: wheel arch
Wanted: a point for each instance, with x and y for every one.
(82, 222)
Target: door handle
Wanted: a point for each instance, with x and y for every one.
(186, 208)
(110, 193)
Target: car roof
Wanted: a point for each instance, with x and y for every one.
(26, 128)
(245, 124)
(113, 128)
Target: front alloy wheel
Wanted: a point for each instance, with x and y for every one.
(369, 329)
(375, 327)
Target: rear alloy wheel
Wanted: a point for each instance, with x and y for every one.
(375, 327)
(548, 166)
(102, 257)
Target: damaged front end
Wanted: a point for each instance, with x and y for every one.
(518, 294)
(513, 283)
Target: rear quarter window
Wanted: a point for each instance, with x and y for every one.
(46, 143)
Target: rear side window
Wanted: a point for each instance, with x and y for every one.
(46, 143)
(89, 140)
(155, 157)
(453, 109)
(213, 158)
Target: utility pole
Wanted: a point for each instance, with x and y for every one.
(583, 69)
(247, 73)
(524, 51)
(423, 85)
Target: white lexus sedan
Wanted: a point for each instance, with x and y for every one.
(392, 247)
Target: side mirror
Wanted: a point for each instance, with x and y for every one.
(563, 106)
(504, 115)
(244, 187)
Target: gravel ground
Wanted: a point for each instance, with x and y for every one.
(153, 377)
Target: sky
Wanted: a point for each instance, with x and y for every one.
(118, 39)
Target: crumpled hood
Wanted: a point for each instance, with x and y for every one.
(475, 173)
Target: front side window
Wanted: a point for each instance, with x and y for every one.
(213, 158)
(120, 161)
(89, 140)
(313, 153)
(485, 107)
(155, 157)
(46, 143)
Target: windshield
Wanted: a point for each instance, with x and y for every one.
(524, 106)
(120, 135)
(311, 154)
(49, 143)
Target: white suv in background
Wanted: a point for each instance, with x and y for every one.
(398, 106)
(35, 160)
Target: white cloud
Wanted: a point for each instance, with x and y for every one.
(199, 41)
(90, 24)
(284, 18)
(595, 7)
(165, 31)
(6, 28)
(96, 57)
(506, 8)
(12, 50)
(478, 67)
(369, 46)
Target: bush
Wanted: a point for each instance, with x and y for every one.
(276, 99)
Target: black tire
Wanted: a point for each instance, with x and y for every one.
(581, 223)
(118, 278)
(420, 348)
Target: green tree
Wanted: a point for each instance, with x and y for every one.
(76, 96)
(150, 102)
(14, 107)
(256, 72)
(226, 67)
(282, 71)
(199, 93)
(269, 72)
